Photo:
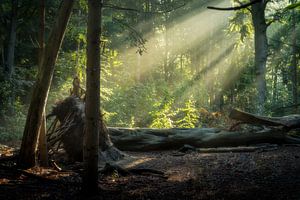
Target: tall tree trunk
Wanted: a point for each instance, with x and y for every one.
(261, 51)
(43, 150)
(92, 107)
(10, 68)
(12, 40)
(34, 119)
(275, 93)
(166, 53)
(78, 45)
(138, 68)
(294, 61)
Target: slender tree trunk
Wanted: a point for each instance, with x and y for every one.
(78, 53)
(167, 53)
(78, 43)
(274, 96)
(138, 68)
(219, 101)
(2, 59)
(10, 68)
(143, 30)
(12, 40)
(166, 57)
(294, 62)
(43, 150)
(34, 119)
(261, 51)
(92, 107)
(194, 61)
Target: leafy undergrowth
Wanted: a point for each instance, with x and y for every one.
(257, 175)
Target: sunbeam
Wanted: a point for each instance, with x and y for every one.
(194, 31)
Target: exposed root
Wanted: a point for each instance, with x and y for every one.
(111, 154)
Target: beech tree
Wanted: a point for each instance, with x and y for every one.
(261, 50)
(27, 157)
(257, 11)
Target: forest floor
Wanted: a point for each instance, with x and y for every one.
(273, 174)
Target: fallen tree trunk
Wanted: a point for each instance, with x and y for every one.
(70, 114)
(144, 139)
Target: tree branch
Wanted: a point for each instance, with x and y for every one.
(242, 6)
(120, 8)
(141, 11)
(139, 40)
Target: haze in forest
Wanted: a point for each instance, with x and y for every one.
(161, 61)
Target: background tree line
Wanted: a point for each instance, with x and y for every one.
(165, 63)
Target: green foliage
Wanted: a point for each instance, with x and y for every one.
(188, 116)
(162, 116)
(241, 23)
(131, 106)
(293, 6)
(11, 127)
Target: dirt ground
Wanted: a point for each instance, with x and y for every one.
(273, 174)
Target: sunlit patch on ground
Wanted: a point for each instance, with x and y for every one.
(272, 174)
(134, 161)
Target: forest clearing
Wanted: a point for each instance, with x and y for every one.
(149, 99)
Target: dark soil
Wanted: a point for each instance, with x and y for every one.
(271, 174)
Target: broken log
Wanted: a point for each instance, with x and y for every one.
(288, 122)
(145, 139)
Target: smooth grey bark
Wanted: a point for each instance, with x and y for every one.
(27, 156)
(261, 51)
(92, 106)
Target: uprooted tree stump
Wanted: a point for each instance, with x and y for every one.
(68, 129)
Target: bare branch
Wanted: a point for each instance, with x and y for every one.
(141, 11)
(138, 38)
(242, 6)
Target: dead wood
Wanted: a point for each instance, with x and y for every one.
(70, 114)
(237, 149)
(288, 122)
(141, 139)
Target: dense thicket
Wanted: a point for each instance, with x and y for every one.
(165, 63)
